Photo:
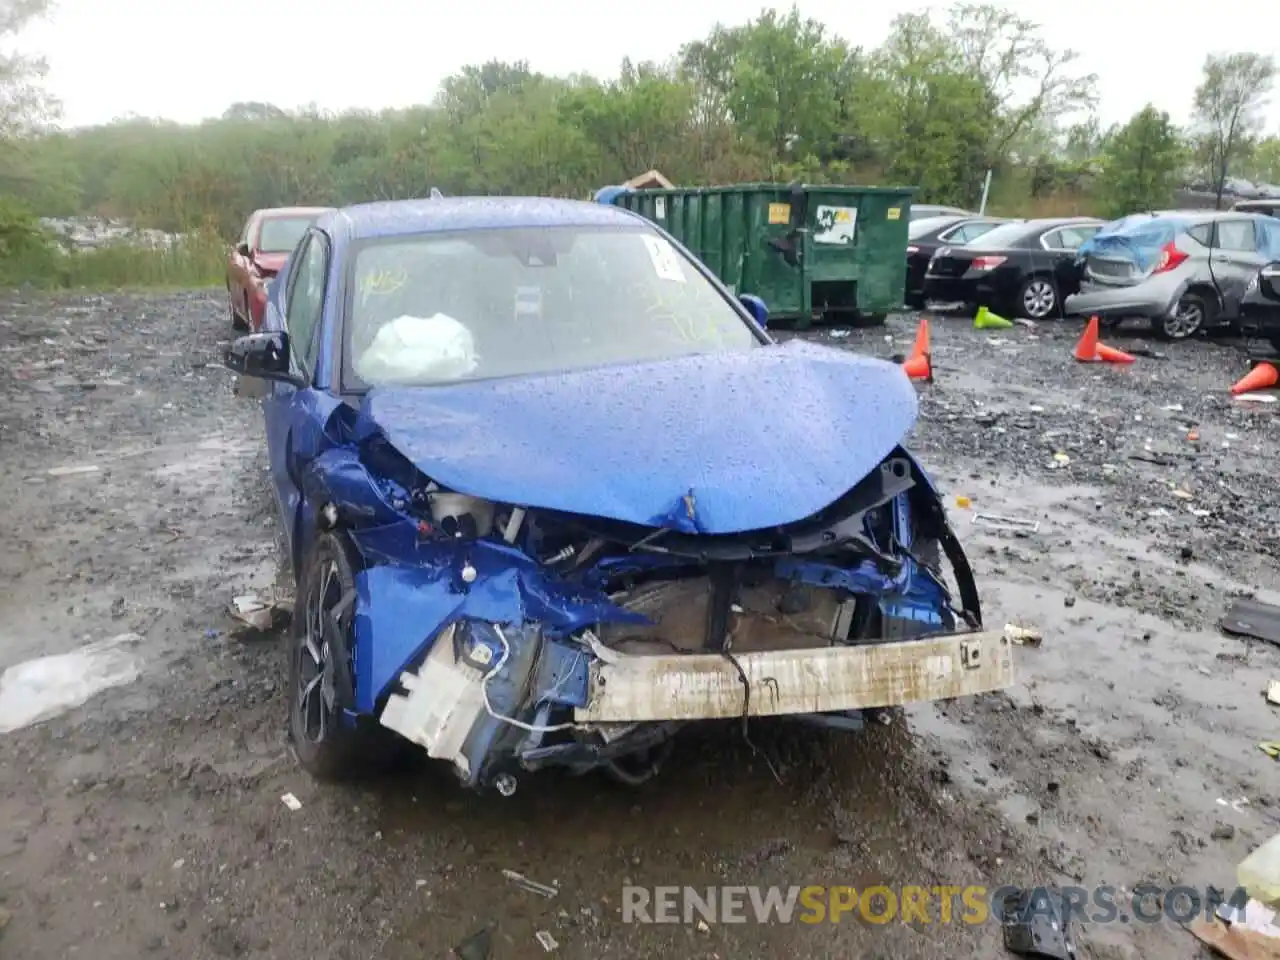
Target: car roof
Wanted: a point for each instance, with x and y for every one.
(1200, 215)
(272, 212)
(1048, 223)
(396, 218)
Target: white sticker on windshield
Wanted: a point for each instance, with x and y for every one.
(666, 263)
(528, 302)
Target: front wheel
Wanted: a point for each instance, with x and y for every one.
(329, 743)
(1190, 316)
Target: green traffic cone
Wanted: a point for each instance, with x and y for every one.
(986, 320)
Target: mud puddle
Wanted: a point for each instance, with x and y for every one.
(39, 689)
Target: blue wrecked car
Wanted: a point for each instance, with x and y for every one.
(551, 493)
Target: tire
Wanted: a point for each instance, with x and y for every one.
(1037, 299)
(237, 323)
(1192, 314)
(327, 743)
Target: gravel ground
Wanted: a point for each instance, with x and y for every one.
(149, 820)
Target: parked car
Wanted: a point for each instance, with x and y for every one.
(266, 241)
(1025, 267)
(530, 500)
(1269, 206)
(926, 235)
(1260, 306)
(1181, 270)
(926, 210)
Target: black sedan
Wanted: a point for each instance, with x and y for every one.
(1025, 268)
(1260, 307)
(925, 236)
(923, 211)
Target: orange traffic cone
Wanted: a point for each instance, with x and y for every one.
(921, 347)
(1089, 350)
(1087, 347)
(919, 363)
(1261, 377)
(919, 368)
(1112, 355)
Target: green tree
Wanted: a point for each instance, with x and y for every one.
(1029, 83)
(927, 117)
(1264, 161)
(1227, 110)
(1140, 164)
(779, 79)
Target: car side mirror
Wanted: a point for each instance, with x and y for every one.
(756, 307)
(1269, 281)
(264, 356)
(242, 248)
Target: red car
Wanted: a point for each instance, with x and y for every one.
(268, 238)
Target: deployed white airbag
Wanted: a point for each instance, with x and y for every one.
(411, 350)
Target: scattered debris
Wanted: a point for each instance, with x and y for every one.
(47, 686)
(1023, 636)
(520, 880)
(264, 616)
(1033, 926)
(1233, 941)
(546, 940)
(1247, 617)
(252, 610)
(292, 802)
(1273, 692)
(1271, 748)
(1259, 873)
(1013, 523)
(1256, 397)
(475, 947)
(74, 471)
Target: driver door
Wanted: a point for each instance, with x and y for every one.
(297, 310)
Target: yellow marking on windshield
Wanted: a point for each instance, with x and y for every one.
(381, 282)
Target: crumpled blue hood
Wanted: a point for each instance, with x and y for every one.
(710, 444)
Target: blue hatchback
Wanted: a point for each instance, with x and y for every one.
(551, 492)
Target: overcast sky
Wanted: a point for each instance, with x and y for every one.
(188, 59)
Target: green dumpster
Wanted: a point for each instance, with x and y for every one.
(810, 252)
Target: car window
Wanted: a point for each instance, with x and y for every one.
(442, 307)
(306, 299)
(1007, 235)
(1201, 233)
(1237, 235)
(1068, 238)
(918, 228)
(281, 234)
(967, 232)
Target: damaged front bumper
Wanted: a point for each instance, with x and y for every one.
(587, 705)
(627, 688)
